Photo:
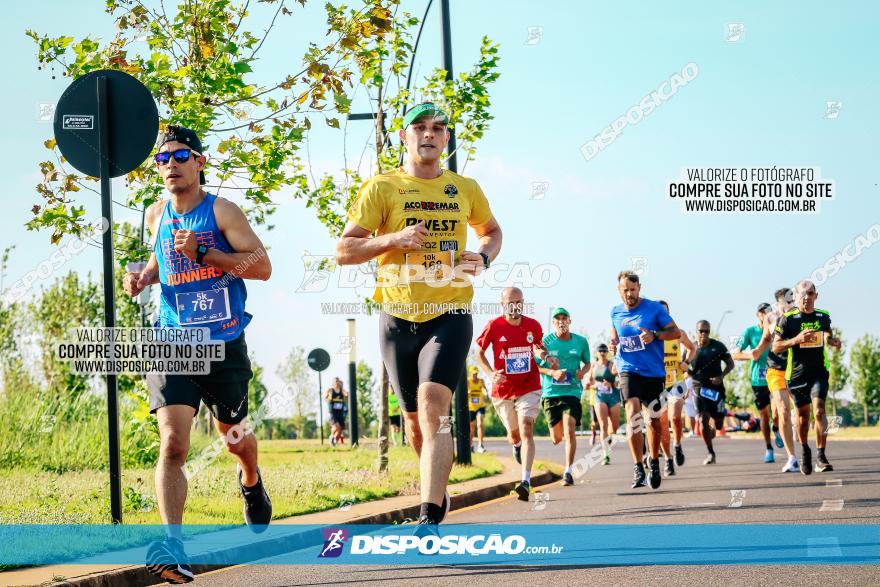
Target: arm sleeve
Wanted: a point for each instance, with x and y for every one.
(369, 210)
(480, 211)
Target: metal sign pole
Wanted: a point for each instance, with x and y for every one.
(320, 407)
(109, 301)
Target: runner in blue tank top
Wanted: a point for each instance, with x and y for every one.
(204, 248)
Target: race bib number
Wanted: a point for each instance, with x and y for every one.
(631, 344)
(475, 400)
(200, 307)
(336, 406)
(603, 388)
(516, 364)
(762, 373)
(709, 394)
(813, 341)
(567, 380)
(429, 265)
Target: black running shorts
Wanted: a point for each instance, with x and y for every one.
(803, 389)
(762, 396)
(224, 390)
(434, 351)
(646, 389)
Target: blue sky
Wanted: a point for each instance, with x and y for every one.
(760, 101)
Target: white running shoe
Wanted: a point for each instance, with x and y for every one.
(791, 466)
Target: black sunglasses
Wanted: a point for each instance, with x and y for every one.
(180, 155)
(703, 331)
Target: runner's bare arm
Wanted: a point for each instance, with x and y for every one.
(250, 259)
(135, 283)
(669, 332)
(483, 362)
(780, 345)
(356, 245)
(766, 337)
(489, 234)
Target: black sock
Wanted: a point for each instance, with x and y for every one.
(805, 446)
(821, 453)
(769, 446)
(431, 510)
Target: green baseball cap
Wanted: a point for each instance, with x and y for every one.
(559, 311)
(421, 110)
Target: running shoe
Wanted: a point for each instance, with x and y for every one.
(769, 457)
(779, 443)
(480, 449)
(639, 479)
(710, 460)
(567, 479)
(522, 491)
(679, 455)
(257, 505)
(822, 464)
(167, 561)
(517, 454)
(669, 471)
(791, 466)
(806, 460)
(655, 473)
(606, 460)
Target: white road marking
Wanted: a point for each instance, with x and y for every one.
(831, 505)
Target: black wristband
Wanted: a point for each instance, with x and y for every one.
(201, 251)
(485, 260)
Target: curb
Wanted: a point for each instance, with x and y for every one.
(137, 575)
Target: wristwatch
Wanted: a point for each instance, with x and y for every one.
(201, 251)
(654, 334)
(485, 260)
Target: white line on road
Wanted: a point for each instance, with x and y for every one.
(834, 483)
(831, 505)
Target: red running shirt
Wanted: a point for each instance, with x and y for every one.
(512, 348)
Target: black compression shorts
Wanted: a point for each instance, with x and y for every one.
(419, 352)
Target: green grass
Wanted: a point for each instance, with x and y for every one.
(301, 476)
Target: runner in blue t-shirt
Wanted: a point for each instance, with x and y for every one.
(638, 328)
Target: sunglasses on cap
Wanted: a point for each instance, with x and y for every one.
(180, 155)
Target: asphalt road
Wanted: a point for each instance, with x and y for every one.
(698, 494)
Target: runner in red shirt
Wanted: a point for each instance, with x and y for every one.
(516, 381)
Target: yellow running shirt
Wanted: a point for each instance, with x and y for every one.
(672, 362)
(476, 397)
(422, 284)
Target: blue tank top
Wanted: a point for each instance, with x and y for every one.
(193, 294)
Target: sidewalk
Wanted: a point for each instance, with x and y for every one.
(384, 511)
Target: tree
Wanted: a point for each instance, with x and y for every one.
(197, 60)
(865, 370)
(838, 374)
(257, 390)
(366, 397)
(294, 372)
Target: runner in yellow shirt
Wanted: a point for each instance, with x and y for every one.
(676, 394)
(477, 406)
(414, 221)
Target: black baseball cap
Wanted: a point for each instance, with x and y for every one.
(188, 137)
(764, 307)
(602, 347)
